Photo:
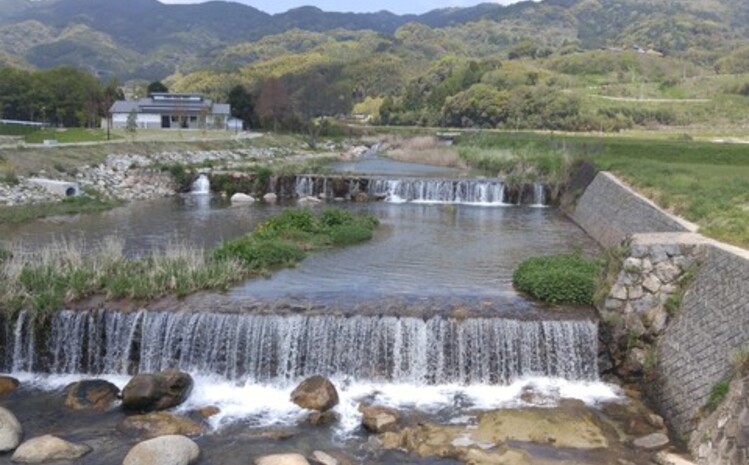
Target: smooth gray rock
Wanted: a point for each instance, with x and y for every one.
(282, 459)
(164, 450)
(653, 441)
(10, 430)
(49, 448)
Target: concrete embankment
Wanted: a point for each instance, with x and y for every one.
(678, 314)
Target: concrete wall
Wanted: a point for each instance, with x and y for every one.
(692, 350)
(609, 211)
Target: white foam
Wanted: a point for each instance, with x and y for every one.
(262, 405)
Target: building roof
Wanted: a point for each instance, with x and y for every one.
(166, 103)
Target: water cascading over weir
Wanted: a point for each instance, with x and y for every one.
(485, 192)
(274, 348)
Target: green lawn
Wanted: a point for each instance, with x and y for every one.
(71, 206)
(707, 183)
(68, 135)
(16, 130)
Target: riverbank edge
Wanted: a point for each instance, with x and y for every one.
(676, 314)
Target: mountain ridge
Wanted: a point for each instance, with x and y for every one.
(148, 39)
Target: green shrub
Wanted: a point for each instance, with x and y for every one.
(183, 177)
(258, 254)
(285, 239)
(562, 279)
(350, 234)
(717, 394)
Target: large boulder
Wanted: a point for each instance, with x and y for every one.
(315, 393)
(91, 395)
(49, 448)
(240, 198)
(282, 459)
(379, 419)
(156, 391)
(10, 431)
(155, 424)
(164, 450)
(270, 197)
(8, 385)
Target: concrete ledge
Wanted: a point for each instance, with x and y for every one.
(61, 188)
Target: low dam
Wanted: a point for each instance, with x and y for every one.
(479, 192)
(266, 348)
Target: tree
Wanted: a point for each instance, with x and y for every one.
(274, 108)
(157, 86)
(131, 126)
(242, 106)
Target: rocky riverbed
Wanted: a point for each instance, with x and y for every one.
(130, 177)
(152, 421)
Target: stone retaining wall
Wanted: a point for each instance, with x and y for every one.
(696, 350)
(682, 350)
(609, 211)
(724, 435)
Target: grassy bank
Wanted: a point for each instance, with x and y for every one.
(71, 206)
(707, 183)
(64, 273)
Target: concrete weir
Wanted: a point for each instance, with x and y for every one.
(61, 188)
(687, 298)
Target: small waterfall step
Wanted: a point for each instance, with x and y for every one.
(486, 192)
(268, 348)
(201, 186)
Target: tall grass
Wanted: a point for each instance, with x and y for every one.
(708, 183)
(423, 149)
(65, 272)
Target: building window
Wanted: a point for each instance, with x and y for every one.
(193, 119)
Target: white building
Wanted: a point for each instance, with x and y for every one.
(174, 111)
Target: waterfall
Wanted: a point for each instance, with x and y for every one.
(268, 348)
(468, 191)
(201, 186)
(539, 195)
(488, 192)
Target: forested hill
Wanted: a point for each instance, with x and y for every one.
(147, 39)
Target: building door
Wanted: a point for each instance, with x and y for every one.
(165, 124)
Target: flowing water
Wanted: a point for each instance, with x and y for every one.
(201, 186)
(422, 318)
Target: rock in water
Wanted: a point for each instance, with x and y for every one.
(282, 459)
(242, 198)
(8, 385)
(331, 458)
(315, 393)
(653, 441)
(270, 197)
(164, 450)
(10, 431)
(49, 448)
(96, 395)
(379, 419)
(156, 391)
(155, 424)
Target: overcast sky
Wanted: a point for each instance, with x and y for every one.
(396, 6)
